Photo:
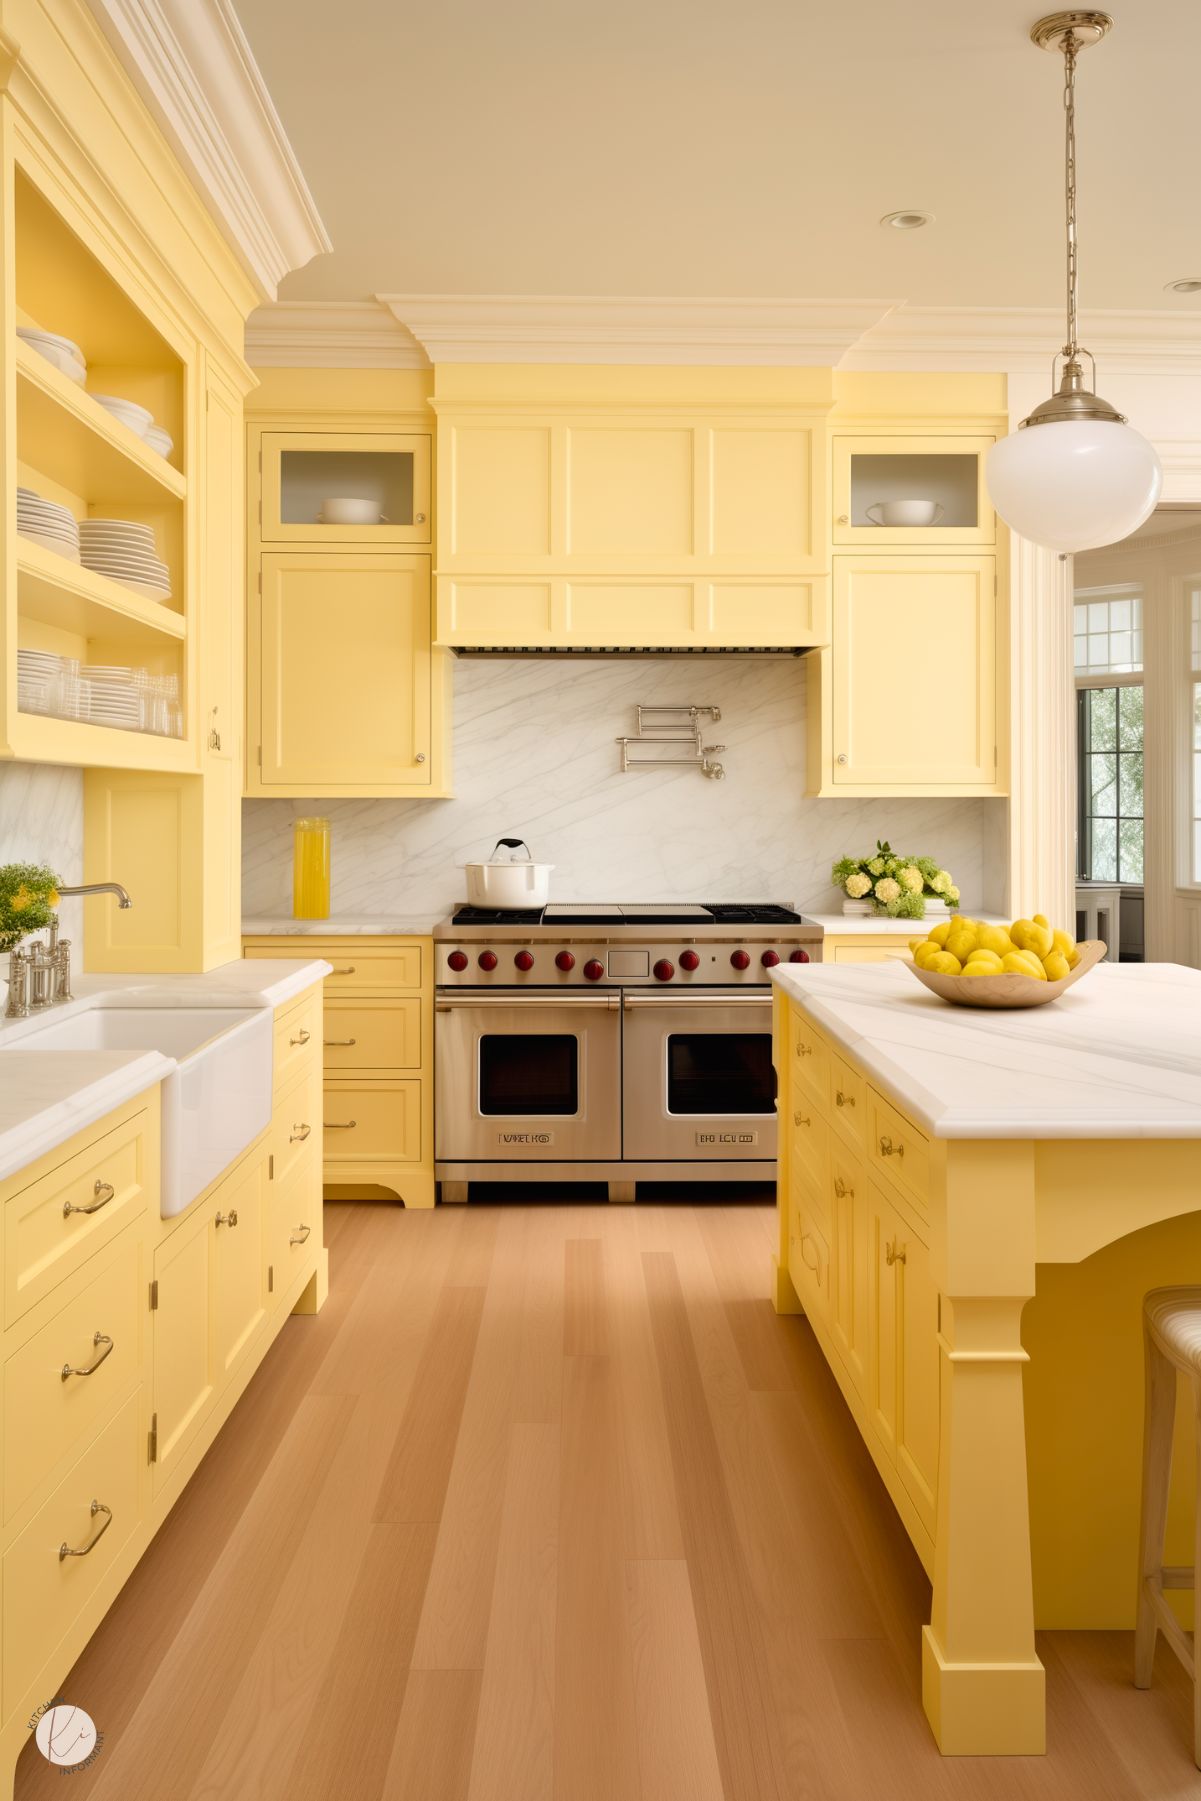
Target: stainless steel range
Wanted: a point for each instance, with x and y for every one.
(607, 1043)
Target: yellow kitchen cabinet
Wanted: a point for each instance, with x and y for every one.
(873, 947)
(239, 1262)
(905, 699)
(871, 470)
(345, 695)
(852, 1319)
(184, 1344)
(302, 471)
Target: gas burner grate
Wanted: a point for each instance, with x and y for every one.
(759, 914)
(497, 916)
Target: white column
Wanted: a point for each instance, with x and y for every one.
(1042, 755)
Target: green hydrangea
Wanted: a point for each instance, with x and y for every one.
(28, 898)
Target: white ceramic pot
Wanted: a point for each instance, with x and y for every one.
(349, 509)
(508, 882)
(905, 512)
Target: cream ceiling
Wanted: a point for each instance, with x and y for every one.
(678, 147)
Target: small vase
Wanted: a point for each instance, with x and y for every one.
(310, 869)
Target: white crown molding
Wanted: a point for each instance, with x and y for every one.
(192, 65)
(548, 328)
(330, 334)
(1023, 340)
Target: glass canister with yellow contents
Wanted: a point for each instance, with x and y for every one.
(310, 869)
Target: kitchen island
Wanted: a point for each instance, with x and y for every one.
(972, 1205)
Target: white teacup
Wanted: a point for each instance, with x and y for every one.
(905, 512)
(349, 509)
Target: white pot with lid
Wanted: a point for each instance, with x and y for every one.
(510, 881)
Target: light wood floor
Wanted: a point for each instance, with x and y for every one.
(548, 1505)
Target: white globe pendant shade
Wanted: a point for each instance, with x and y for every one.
(1074, 484)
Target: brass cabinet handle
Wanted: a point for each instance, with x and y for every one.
(300, 1234)
(299, 1134)
(841, 1189)
(801, 1119)
(89, 1369)
(340, 1125)
(889, 1149)
(816, 1265)
(66, 1550)
(302, 1038)
(803, 1049)
(340, 1042)
(420, 757)
(894, 1252)
(344, 969)
(844, 1100)
(842, 519)
(227, 1219)
(103, 1191)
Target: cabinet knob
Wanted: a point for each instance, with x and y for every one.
(894, 1252)
(800, 1119)
(227, 1219)
(841, 1190)
(889, 1149)
(841, 757)
(420, 757)
(844, 1100)
(419, 518)
(843, 519)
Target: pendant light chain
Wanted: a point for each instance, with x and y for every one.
(1069, 108)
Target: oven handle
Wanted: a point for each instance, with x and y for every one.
(445, 1003)
(696, 1000)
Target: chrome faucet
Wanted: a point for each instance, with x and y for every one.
(41, 976)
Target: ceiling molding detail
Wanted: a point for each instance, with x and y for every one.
(1023, 340)
(192, 65)
(333, 334)
(540, 328)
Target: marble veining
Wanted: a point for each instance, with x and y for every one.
(41, 821)
(1117, 1056)
(535, 758)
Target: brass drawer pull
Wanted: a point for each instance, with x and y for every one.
(301, 1038)
(344, 969)
(801, 1119)
(889, 1149)
(66, 1550)
(844, 1100)
(341, 1125)
(894, 1252)
(300, 1234)
(103, 1191)
(227, 1219)
(342, 1043)
(299, 1134)
(89, 1369)
(803, 1049)
(841, 1189)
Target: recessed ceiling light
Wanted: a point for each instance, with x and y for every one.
(1191, 284)
(908, 220)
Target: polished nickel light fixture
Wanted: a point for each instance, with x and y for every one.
(1093, 479)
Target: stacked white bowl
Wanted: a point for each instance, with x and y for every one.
(139, 419)
(125, 552)
(52, 526)
(64, 353)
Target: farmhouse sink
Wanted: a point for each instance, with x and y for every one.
(215, 1102)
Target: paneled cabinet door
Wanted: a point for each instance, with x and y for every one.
(914, 671)
(882, 1318)
(240, 1283)
(918, 1366)
(849, 1206)
(221, 572)
(184, 1350)
(345, 672)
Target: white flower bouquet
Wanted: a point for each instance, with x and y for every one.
(895, 886)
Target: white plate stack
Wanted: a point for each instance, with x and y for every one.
(124, 551)
(48, 524)
(113, 698)
(37, 673)
(64, 353)
(138, 418)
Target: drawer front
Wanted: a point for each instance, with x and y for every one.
(54, 1225)
(898, 1150)
(43, 1591)
(849, 1100)
(371, 1121)
(97, 1336)
(364, 1035)
(872, 953)
(810, 1057)
(298, 1040)
(810, 1137)
(296, 1127)
(360, 968)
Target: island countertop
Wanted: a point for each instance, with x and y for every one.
(1118, 1056)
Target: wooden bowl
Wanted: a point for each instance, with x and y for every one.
(1008, 990)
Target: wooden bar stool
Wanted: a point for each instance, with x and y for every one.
(1172, 1345)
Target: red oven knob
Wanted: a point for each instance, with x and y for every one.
(487, 959)
(564, 960)
(457, 960)
(524, 959)
(769, 959)
(799, 957)
(689, 960)
(663, 970)
(594, 970)
(741, 959)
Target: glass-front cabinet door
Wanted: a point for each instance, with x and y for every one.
(368, 488)
(923, 492)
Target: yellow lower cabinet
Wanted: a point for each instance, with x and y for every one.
(809, 1259)
(849, 1213)
(882, 1319)
(240, 1275)
(372, 1036)
(183, 1341)
(293, 1224)
(903, 1351)
(370, 1123)
(871, 950)
(57, 1563)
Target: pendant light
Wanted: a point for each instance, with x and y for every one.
(1074, 475)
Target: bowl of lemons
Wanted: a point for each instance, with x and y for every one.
(1024, 964)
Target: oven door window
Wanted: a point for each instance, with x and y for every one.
(718, 1073)
(529, 1074)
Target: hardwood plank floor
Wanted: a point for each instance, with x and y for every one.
(548, 1505)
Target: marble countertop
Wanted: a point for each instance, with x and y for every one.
(1118, 1056)
(47, 1096)
(358, 925)
(848, 925)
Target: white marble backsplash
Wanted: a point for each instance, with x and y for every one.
(41, 821)
(535, 758)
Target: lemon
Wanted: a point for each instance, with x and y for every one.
(1029, 935)
(1022, 963)
(1040, 919)
(940, 934)
(925, 954)
(989, 959)
(1056, 966)
(997, 939)
(1064, 943)
(975, 968)
(944, 963)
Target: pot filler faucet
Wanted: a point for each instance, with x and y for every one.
(41, 976)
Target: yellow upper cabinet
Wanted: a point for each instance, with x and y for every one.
(906, 490)
(341, 488)
(617, 507)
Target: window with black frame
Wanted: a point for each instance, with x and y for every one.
(1109, 703)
